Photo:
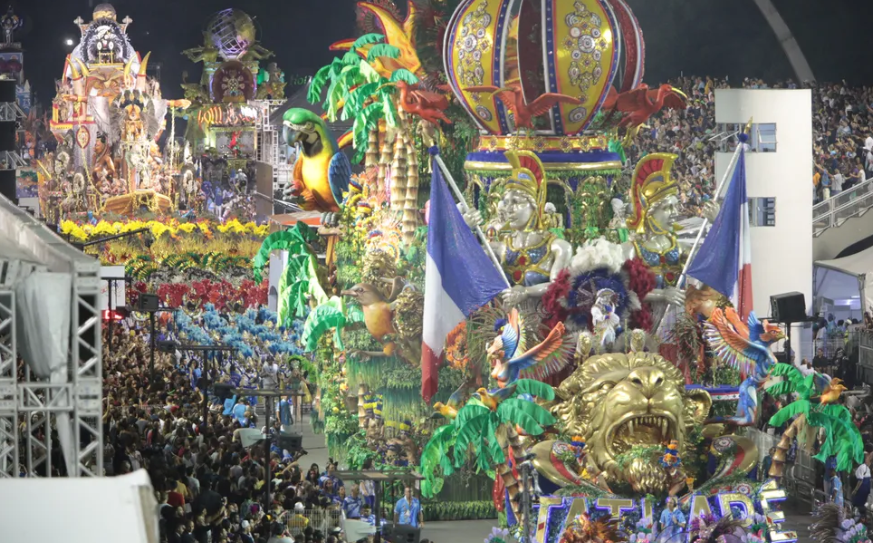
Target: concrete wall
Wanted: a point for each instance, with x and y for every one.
(782, 257)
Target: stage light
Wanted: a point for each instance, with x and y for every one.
(70, 41)
(112, 315)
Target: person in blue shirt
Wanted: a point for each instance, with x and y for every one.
(672, 518)
(352, 504)
(283, 412)
(835, 488)
(408, 510)
(330, 474)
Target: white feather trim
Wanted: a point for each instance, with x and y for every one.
(596, 254)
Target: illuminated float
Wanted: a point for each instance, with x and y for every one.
(229, 126)
(561, 377)
(107, 116)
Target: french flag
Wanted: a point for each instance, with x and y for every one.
(459, 279)
(724, 261)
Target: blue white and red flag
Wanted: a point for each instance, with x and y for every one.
(724, 261)
(459, 279)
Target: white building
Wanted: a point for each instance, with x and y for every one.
(779, 168)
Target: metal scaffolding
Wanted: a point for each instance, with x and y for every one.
(39, 402)
(269, 135)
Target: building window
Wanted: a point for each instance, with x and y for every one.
(762, 211)
(765, 137)
(762, 137)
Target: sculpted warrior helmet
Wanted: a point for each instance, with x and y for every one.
(528, 177)
(652, 184)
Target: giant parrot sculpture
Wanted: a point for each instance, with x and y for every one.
(322, 172)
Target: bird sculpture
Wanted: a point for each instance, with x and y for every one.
(322, 172)
(745, 347)
(522, 111)
(425, 104)
(641, 103)
(491, 399)
(832, 392)
(509, 361)
(449, 410)
(384, 319)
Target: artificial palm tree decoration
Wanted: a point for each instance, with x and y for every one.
(842, 440)
(487, 431)
(357, 89)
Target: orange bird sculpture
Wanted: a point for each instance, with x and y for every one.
(426, 104)
(832, 392)
(524, 113)
(641, 103)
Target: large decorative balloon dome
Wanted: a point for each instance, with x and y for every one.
(232, 32)
(577, 48)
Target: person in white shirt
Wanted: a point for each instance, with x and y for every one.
(837, 182)
(862, 488)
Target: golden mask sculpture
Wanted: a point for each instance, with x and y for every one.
(618, 401)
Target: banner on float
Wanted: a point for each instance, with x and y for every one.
(555, 513)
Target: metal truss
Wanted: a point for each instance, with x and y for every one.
(9, 446)
(31, 405)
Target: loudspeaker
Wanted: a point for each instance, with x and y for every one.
(788, 307)
(7, 91)
(7, 136)
(147, 303)
(290, 442)
(8, 185)
(223, 391)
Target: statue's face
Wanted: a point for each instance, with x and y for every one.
(666, 212)
(517, 208)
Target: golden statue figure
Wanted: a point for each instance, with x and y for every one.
(655, 210)
(531, 255)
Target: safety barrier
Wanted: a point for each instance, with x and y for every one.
(324, 520)
(845, 205)
(865, 355)
(799, 477)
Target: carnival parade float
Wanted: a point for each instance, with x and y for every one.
(584, 373)
(493, 297)
(118, 154)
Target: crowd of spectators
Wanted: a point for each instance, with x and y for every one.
(843, 138)
(209, 486)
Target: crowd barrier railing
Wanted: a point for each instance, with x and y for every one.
(324, 520)
(844, 205)
(799, 477)
(865, 354)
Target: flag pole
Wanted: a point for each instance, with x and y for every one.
(463, 202)
(691, 253)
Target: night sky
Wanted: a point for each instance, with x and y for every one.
(715, 37)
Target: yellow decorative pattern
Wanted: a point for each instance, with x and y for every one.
(475, 165)
(584, 59)
(564, 144)
(473, 58)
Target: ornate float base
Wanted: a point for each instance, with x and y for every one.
(131, 204)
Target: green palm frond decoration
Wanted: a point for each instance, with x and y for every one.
(368, 39)
(383, 50)
(404, 75)
(316, 86)
(296, 238)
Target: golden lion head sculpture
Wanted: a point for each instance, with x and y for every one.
(619, 401)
